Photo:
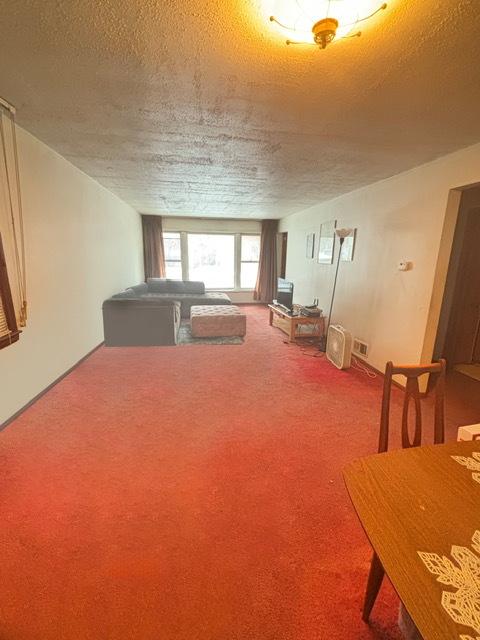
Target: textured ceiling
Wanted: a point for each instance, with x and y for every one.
(184, 107)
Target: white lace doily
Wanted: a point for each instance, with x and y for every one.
(462, 604)
(473, 464)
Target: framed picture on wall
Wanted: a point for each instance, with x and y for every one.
(310, 246)
(348, 247)
(326, 242)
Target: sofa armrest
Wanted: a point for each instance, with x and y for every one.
(140, 321)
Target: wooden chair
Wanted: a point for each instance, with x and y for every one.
(412, 394)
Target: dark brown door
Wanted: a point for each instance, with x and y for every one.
(465, 319)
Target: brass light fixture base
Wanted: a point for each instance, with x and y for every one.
(324, 31)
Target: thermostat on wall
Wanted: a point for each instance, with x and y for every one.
(404, 265)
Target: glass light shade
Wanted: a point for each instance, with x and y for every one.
(295, 18)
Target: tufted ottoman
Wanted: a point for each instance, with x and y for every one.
(215, 321)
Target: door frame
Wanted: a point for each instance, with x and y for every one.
(445, 272)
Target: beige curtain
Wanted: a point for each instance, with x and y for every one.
(153, 251)
(11, 217)
(266, 286)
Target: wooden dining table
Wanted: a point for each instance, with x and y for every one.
(420, 509)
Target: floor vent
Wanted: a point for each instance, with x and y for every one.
(360, 348)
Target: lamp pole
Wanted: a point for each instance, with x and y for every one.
(342, 234)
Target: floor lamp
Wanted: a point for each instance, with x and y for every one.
(341, 234)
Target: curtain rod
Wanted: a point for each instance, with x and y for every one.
(8, 106)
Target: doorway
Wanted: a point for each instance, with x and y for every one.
(458, 339)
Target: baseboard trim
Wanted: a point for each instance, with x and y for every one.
(369, 366)
(423, 394)
(13, 417)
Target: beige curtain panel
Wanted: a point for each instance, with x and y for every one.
(153, 251)
(266, 286)
(11, 217)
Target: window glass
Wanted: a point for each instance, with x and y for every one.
(173, 270)
(250, 248)
(211, 259)
(173, 255)
(250, 255)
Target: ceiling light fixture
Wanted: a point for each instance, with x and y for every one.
(319, 22)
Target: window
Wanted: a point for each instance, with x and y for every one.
(211, 259)
(250, 255)
(8, 323)
(173, 255)
(220, 260)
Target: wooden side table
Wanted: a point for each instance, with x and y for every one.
(290, 324)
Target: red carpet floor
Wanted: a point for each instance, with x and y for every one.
(190, 493)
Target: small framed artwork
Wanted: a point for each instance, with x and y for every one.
(326, 242)
(310, 246)
(348, 247)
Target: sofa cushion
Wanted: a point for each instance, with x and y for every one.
(140, 289)
(189, 299)
(210, 297)
(120, 300)
(128, 293)
(164, 285)
(157, 285)
(189, 286)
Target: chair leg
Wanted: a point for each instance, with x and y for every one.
(374, 583)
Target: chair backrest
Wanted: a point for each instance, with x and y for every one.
(412, 393)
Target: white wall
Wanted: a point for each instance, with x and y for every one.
(83, 244)
(216, 225)
(211, 225)
(399, 218)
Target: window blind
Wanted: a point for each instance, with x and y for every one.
(4, 330)
(8, 323)
(11, 218)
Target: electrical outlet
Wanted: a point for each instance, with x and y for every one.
(360, 348)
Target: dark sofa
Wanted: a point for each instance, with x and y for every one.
(149, 313)
(133, 322)
(187, 292)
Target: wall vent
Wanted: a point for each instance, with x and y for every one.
(360, 348)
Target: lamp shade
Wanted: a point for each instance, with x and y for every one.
(343, 233)
(297, 18)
